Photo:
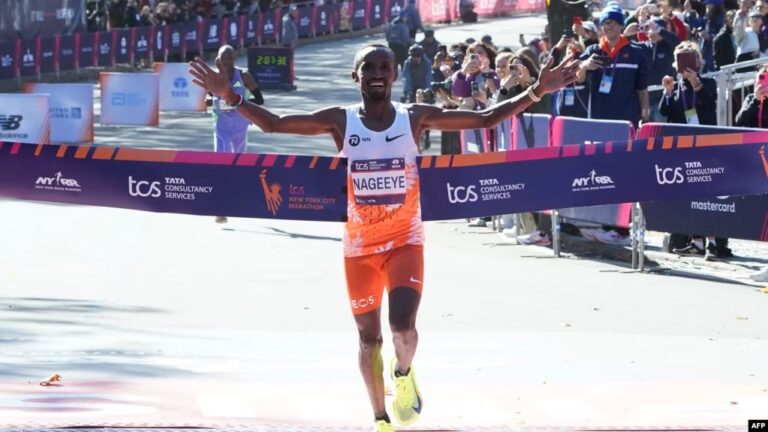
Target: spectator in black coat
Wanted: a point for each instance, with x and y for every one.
(725, 45)
(749, 115)
(692, 101)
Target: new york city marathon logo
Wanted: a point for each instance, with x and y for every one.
(271, 193)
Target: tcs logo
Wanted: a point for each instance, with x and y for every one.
(461, 194)
(143, 188)
(669, 175)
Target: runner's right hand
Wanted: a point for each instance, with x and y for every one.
(210, 80)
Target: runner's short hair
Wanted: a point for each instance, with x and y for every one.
(362, 51)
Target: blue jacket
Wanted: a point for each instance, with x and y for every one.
(412, 83)
(660, 58)
(629, 71)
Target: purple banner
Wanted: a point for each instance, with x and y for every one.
(306, 26)
(48, 55)
(175, 38)
(67, 53)
(570, 131)
(324, 19)
(212, 30)
(191, 35)
(460, 186)
(105, 47)
(124, 47)
(7, 60)
(267, 25)
(159, 42)
(233, 32)
(721, 216)
(141, 37)
(200, 183)
(251, 30)
(377, 13)
(30, 19)
(85, 45)
(452, 187)
(359, 14)
(30, 57)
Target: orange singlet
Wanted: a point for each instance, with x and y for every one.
(384, 235)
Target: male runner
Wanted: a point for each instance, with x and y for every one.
(384, 237)
(230, 129)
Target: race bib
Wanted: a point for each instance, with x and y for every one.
(605, 84)
(569, 97)
(692, 117)
(378, 181)
(222, 105)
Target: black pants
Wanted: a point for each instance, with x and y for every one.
(401, 53)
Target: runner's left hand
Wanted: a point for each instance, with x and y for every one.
(553, 79)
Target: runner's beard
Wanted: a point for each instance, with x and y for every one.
(377, 94)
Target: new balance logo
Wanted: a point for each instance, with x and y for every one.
(10, 122)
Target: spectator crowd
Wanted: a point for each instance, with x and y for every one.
(663, 43)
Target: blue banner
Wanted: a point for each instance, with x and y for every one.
(697, 168)
(359, 14)
(200, 183)
(7, 60)
(86, 50)
(141, 37)
(159, 42)
(463, 186)
(48, 55)
(29, 56)
(105, 49)
(722, 216)
(67, 53)
(123, 46)
(212, 31)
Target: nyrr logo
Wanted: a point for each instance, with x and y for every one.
(271, 194)
(57, 182)
(669, 175)
(143, 188)
(461, 194)
(592, 182)
(10, 122)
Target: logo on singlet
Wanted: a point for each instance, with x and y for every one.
(354, 140)
(271, 194)
(388, 139)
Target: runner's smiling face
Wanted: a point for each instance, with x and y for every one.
(375, 73)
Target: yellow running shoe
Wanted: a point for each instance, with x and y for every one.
(383, 426)
(407, 404)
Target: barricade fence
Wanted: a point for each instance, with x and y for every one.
(727, 215)
(54, 53)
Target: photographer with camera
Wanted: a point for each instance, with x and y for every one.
(417, 73)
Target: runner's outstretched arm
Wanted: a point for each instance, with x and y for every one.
(550, 80)
(315, 123)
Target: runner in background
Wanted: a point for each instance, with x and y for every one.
(230, 128)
